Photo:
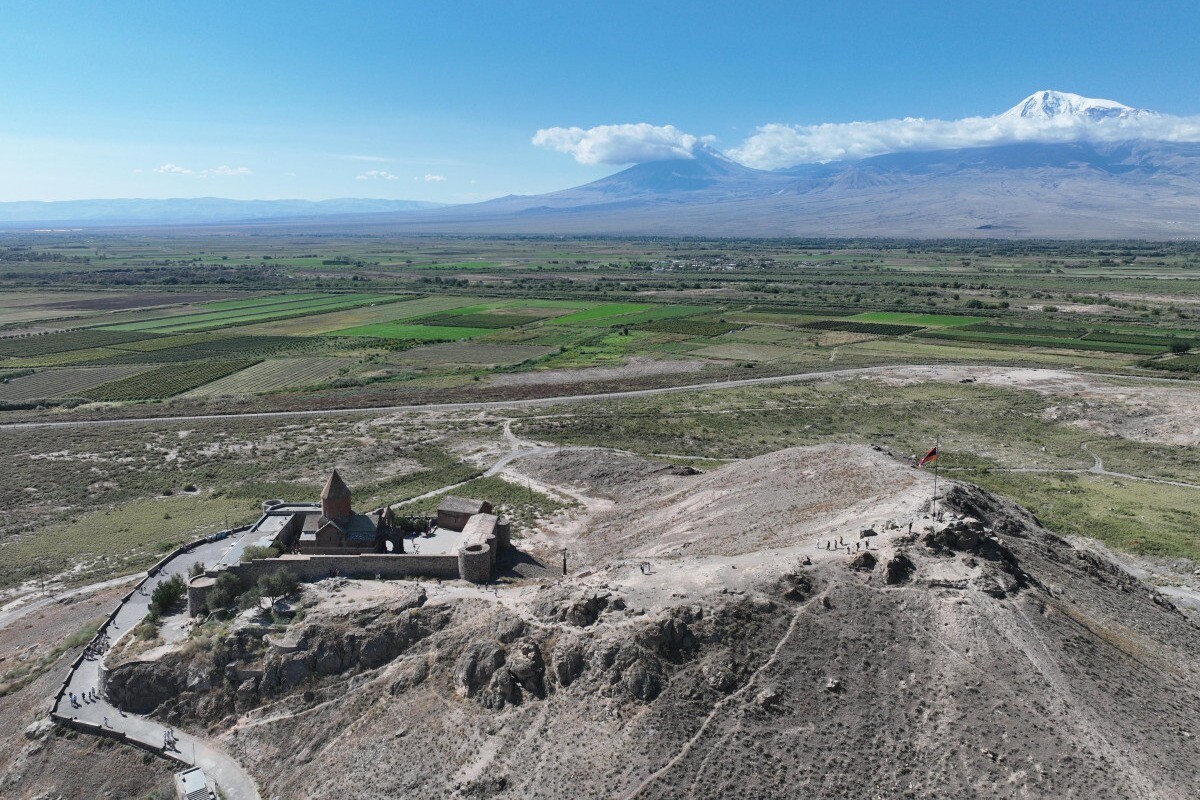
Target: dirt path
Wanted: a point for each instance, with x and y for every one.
(577, 398)
(720, 707)
(23, 605)
(1097, 468)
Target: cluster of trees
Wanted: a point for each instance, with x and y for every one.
(230, 590)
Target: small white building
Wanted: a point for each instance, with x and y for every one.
(193, 784)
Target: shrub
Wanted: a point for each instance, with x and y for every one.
(196, 569)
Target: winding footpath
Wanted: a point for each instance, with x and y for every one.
(235, 783)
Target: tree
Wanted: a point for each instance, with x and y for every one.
(224, 592)
(166, 594)
(255, 552)
(276, 585)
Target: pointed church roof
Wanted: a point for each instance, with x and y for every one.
(335, 487)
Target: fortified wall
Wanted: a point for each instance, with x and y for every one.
(471, 538)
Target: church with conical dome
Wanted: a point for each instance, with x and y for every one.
(336, 528)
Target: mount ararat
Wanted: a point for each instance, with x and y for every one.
(1055, 165)
(1111, 181)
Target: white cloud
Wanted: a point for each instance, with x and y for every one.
(619, 144)
(434, 178)
(223, 170)
(778, 145)
(377, 175)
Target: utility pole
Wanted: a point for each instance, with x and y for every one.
(564, 555)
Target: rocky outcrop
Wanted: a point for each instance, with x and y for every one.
(899, 569)
(863, 562)
(326, 650)
(142, 686)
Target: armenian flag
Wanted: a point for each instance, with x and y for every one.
(928, 457)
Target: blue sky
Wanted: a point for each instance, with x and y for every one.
(299, 99)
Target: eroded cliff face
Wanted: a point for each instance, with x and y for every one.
(975, 656)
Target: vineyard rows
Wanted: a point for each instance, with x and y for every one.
(870, 328)
(275, 374)
(165, 381)
(63, 342)
(61, 382)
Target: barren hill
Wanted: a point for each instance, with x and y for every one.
(717, 642)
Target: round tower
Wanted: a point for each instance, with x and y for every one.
(335, 499)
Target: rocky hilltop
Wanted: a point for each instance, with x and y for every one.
(773, 628)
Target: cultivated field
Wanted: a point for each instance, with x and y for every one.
(163, 382)
(70, 382)
(275, 374)
(770, 306)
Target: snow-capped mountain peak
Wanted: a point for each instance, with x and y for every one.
(1048, 105)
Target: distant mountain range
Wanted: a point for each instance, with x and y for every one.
(1136, 188)
(177, 211)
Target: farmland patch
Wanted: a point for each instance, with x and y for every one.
(67, 340)
(399, 330)
(217, 347)
(736, 351)
(275, 374)
(871, 328)
(483, 320)
(920, 320)
(476, 353)
(601, 312)
(165, 381)
(689, 327)
(54, 383)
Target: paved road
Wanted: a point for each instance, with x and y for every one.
(234, 782)
(551, 401)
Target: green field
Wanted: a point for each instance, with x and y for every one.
(600, 312)
(689, 327)
(869, 328)
(261, 312)
(481, 320)
(1019, 339)
(920, 320)
(400, 330)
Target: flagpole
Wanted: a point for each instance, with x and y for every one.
(937, 441)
